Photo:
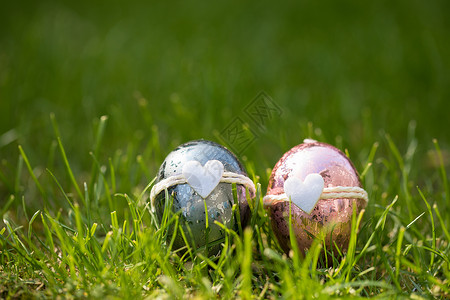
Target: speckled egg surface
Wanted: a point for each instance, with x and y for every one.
(219, 202)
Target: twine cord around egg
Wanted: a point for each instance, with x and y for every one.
(227, 177)
(348, 192)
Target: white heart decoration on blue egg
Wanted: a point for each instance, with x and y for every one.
(203, 179)
(304, 194)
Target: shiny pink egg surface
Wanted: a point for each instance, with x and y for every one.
(330, 217)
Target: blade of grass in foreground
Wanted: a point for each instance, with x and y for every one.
(97, 143)
(36, 181)
(6, 206)
(444, 177)
(69, 171)
(433, 229)
(401, 165)
(246, 261)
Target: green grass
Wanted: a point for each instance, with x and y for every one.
(93, 97)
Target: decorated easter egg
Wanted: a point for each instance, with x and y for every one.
(323, 187)
(198, 176)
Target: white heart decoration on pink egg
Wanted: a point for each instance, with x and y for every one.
(304, 194)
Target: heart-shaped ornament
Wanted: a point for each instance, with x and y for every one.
(304, 194)
(203, 179)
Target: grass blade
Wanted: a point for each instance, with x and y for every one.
(69, 171)
(30, 170)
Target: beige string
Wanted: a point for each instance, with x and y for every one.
(350, 192)
(227, 177)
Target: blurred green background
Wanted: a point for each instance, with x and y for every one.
(182, 70)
